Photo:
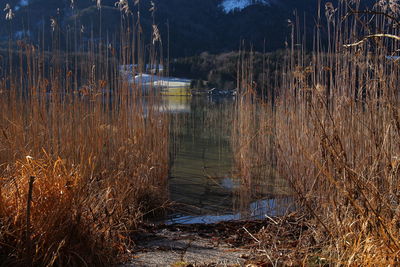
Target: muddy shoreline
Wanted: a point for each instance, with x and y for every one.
(274, 240)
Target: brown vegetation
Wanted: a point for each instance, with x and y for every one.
(83, 153)
(337, 137)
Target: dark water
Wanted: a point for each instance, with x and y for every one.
(202, 181)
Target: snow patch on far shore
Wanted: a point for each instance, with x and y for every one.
(229, 6)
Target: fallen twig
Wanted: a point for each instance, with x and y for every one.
(258, 241)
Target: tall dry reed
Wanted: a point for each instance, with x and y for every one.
(337, 132)
(83, 152)
(253, 141)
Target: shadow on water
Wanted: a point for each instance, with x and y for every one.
(202, 183)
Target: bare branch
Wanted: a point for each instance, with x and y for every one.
(392, 36)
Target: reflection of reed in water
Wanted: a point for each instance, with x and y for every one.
(201, 157)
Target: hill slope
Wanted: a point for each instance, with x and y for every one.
(194, 26)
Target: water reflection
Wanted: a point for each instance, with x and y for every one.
(202, 179)
(202, 156)
(230, 183)
(176, 104)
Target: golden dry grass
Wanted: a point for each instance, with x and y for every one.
(83, 154)
(337, 132)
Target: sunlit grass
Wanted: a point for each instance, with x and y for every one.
(336, 134)
(83, 154)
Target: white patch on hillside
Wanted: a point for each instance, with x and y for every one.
(23, 2)
(237, 5)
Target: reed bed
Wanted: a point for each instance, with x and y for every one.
(253, 143)
(336, 131)
(83, 152)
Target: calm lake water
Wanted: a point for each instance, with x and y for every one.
(202, 181)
